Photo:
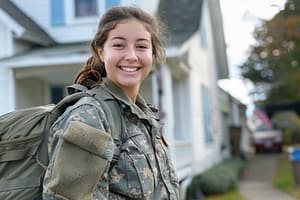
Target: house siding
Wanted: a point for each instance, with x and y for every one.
(7, 88)
(6, 47)
(81, 30)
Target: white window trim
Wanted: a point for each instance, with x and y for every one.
(70, 11)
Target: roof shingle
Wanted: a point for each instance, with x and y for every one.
(182, 18)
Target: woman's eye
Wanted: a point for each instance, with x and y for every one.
(142, 46)
(118, 45)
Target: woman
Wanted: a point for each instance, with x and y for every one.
(127, 42)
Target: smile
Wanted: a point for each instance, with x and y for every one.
(129, 69)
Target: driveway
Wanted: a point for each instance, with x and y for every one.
(256, 179)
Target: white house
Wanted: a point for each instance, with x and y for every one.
(44, 43)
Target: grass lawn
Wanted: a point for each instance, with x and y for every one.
(283, 179)
(230, 195)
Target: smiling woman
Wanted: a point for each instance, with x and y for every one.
(127, 56)
(131, 162)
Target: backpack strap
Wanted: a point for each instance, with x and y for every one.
(111, 108)
(71, 89)
(42, 157)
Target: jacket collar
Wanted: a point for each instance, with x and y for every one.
(140, 108)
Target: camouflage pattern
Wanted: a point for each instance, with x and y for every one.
(143, 169)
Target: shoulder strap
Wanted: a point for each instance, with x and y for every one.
(112, 110)
(75, 88)
(43, 157)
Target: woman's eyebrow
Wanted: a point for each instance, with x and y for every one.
(122, 38)
(143, 39)
(118, 38)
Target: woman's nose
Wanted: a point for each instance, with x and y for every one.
(131, 54)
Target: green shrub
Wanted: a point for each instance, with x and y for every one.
(216, 180)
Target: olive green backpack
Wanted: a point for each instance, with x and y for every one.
(24, 146)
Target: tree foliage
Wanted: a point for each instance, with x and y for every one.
(273, 64)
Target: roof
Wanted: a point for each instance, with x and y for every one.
(58, 54)
(181, 17)
(33, 32)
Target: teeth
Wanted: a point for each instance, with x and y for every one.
(128, 69)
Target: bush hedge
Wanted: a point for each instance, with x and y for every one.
(216, 180)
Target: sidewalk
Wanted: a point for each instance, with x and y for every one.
(256, 180)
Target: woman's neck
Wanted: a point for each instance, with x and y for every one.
(131, 92)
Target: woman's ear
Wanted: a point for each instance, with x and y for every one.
(100, 53)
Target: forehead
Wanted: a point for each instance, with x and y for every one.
(130, 28)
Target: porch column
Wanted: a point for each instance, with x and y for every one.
(7, 90)
(167, 109)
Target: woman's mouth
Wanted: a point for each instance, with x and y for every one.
(129, 69)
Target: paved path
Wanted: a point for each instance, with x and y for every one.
(256, 180)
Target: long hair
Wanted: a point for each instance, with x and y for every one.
(94, 69)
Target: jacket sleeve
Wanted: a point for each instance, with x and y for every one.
(80, 154)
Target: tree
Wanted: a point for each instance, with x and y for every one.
(273, 64)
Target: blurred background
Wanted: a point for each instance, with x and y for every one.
(228, 93)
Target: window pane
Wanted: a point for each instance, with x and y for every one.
(111, 3)
(85, 8)
(57, 94)
(207, 121)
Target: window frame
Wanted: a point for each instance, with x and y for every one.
(84, 16)
(72, 19)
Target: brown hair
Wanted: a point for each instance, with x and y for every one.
(93, 70)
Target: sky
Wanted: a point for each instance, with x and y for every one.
(239, 20)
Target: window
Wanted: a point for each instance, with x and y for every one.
(85, 8)
(90, 8)
(56, 93)
(207, 121)
(203, 25)
(79, 11)
(182, 115)
(203, 36)
(111, 3)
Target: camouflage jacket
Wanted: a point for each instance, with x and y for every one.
(81, 151)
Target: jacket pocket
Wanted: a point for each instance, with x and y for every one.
(144, 173)
(132, 176)
(82, 158)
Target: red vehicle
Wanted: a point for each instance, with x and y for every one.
(269, 139)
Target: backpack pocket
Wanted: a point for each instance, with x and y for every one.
(20, 174)
(80, 161)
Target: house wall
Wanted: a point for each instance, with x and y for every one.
(9, 29)
(6, 47)
(204, 73)
(183, 81)
(83, 29)
(219, 70)
(7, 88)
(7, 100)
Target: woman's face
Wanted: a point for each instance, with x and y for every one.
(127, 54)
